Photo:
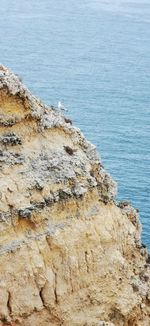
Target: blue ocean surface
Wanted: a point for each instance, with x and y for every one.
(95, 56)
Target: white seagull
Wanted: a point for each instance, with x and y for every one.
(61, 106)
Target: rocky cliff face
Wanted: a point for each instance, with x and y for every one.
(69, 254)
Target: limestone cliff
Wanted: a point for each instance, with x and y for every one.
(69, 253)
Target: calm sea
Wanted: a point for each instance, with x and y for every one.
(95, 56)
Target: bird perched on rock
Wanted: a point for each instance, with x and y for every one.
(61, 106)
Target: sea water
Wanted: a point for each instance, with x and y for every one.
(95, 56)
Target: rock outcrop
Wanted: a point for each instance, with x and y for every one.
(69, 253)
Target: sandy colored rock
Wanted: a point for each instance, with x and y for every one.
(69, 253)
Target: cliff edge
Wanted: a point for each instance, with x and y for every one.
(69, 253)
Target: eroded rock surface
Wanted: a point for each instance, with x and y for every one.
(69, 253)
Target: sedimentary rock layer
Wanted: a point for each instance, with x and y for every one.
(69, 253)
